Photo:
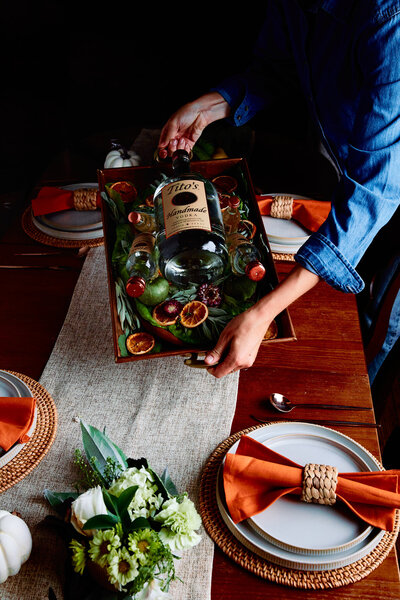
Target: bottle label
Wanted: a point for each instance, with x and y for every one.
(144, 242)
(185, 206)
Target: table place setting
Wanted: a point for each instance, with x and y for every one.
(67, 216)
(300, 504)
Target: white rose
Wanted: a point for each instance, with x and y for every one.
(86, 506)
(152, 591)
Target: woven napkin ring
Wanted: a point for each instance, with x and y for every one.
(85, 199)
(319, 484)
(282, 207)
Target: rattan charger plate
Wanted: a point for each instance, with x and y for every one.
(33, 232)
(227, 542)
(42, 438)
(277, 256)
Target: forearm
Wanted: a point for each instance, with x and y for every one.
(298, 282)
(212, 105)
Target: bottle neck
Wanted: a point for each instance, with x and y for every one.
(180, 162)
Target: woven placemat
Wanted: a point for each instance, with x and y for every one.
(33, 232)
(227, 542)
(42, 438)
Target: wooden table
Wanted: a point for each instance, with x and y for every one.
(326, 363)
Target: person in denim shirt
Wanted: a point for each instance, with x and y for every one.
(343, 56)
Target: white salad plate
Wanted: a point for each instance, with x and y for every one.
(285, 235)
(12, 386)
(296, 534)
(72, 224)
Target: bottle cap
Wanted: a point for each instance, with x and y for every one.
(135, 286)
(234, 201)
(134, 217)
(255, 270)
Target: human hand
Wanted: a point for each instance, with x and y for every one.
(238, 344)
(185, 126)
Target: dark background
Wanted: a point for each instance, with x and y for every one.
(75, 70)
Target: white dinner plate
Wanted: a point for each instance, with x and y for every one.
(72, 224)
(12, 386)
(293, 533)
(285, 235)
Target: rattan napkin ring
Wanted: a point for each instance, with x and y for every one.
(282, 207)
(319, 484)
(85, 199)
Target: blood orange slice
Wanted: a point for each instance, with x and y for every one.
(193, 314)
(140, 343)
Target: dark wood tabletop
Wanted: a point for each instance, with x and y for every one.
(325, 364)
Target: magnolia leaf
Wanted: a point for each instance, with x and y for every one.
(110, 501)
(124, 499)
(98, 448)
(101, 522)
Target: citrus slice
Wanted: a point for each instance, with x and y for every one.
(225, 183)
(271, 332)
(193, 314)
(162, 317)
(140, 343)
(223, 200)
(247, 228)
(125, 189)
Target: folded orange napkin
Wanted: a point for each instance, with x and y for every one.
(309, 213)
(53, 199)
(16, 417)
(256, 476)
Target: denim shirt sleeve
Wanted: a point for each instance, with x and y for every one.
(369, 192)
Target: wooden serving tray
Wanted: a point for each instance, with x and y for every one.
(141, 177)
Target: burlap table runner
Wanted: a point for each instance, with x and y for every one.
(161, 409)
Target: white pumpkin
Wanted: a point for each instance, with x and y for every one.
(15, 544)
(120, 157)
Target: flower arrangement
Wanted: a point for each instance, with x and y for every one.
(125, 525)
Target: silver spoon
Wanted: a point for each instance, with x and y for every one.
(283, 404)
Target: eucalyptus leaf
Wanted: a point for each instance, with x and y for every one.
(100, 448)
(101, 522)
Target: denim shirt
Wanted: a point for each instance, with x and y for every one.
(345, 57)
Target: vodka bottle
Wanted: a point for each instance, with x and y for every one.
(141, 264)
(231, 215)
(245, 258)
(190, 231)
(143, 222)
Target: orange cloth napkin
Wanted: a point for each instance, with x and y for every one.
(309, 213)
(53, 199)
(16, 417)
(256, 476)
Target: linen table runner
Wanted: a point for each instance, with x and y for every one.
(161, 409)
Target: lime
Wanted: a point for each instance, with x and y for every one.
(241, 288)
(155, 292)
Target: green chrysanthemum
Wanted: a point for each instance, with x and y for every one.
(179, 521)
(103, 542)
(144, 544)
(78, 556)
(122, 567)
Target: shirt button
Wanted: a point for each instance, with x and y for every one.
(239, 118)
(246, 108)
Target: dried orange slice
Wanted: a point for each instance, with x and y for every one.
(223, 200)
(225, 184)
(193, 314)
(247, 228)
(140, 343)
(125, 189)
(271, 332)
(162, 317)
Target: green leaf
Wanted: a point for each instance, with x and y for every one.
(110, 501)
(124, 500)
(57, 498)
(99, 448)
(139, 523)
(122, 344)
(101, 522)
(168, 483)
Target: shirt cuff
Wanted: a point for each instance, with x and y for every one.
(323, 258)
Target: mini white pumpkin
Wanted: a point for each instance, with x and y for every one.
(120, 157)
(15, 544)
